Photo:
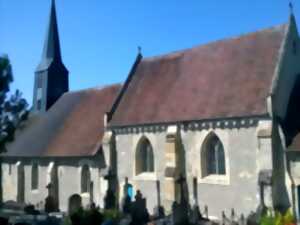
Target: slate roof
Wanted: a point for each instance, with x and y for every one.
(72, 127)
(51, 51)
(227, 78)
(295, 145)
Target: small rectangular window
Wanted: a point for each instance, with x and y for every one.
(9, 169)
(34, 177)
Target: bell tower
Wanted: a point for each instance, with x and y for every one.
(51, 75)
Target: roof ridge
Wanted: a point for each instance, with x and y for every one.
(96, 88)
(182, 51)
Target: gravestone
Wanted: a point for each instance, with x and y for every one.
(264, 180)
(226, 220)
(252, 219)
(206, 211)
(30, 210)
(179, 214)
(180, 210)
(159, 211)
(196, 216)
(109, 199)
(181, 180)
(233, 216)
(94, 217)
(50, 205)
(75, 203)
(242, 220)
(139, 212)
(111, 180)
(126, 204)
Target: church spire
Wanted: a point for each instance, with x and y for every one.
(292, 19)
(51, 76)
(51, 51)
(291, 8)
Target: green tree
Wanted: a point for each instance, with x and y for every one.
(13, 108)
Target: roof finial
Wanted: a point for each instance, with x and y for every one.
(139, 49)
(291, 7)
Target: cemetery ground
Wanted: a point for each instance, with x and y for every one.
(133, 213)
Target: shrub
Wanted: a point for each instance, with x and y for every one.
(112, 214)
(66, 221)
(277, 218)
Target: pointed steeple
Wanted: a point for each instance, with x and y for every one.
(52, 46)
(292, 19)
(51, 76)
(292, 16)
(291, 8)
(51, 51)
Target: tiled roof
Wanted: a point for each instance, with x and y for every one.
(227, 78)
(72, 127)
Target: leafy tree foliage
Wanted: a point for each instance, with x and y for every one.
(13, 109)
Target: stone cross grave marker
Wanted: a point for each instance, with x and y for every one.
(110, 198)
(139, 212)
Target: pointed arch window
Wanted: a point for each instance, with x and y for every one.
(34, 176)
(144, 157)
(213, 157)
(85, 179)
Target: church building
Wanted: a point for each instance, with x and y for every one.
(216, 125)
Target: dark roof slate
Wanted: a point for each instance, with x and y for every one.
(295, 145)
(72, 127)
(51, 51)
(227, 78)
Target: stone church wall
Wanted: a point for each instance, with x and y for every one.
(238, 189)
(36, 197)
(126, 145)
(9, 181)
(69, 181)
